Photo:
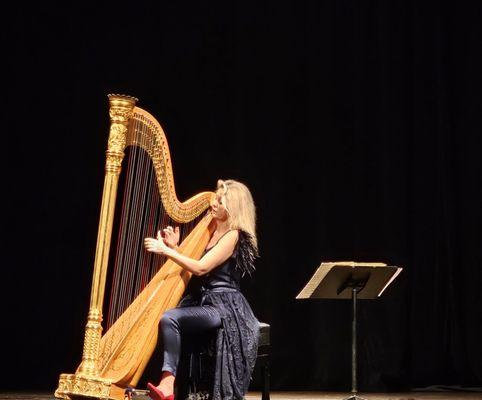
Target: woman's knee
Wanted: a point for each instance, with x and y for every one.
(169, 320)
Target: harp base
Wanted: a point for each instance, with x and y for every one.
(73, 386)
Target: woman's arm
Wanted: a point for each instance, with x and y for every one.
(214, 257)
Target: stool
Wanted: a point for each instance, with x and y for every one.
(197, 361)
(262, 360)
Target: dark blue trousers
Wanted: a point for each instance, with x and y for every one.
(185, 320)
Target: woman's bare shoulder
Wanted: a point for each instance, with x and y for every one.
(232, 236)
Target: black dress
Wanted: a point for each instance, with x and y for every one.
(234, 347)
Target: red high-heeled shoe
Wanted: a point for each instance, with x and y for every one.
(156, 394)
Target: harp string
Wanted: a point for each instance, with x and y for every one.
(138, 224)
(130, 224)
(142, 214)
(130, 288)
(124, 267)
(152, 260)
(125, 260)
(156, 212)
(122, 234)
(146, 227)
(135, 222)
(141, 211)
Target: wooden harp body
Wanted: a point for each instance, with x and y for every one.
(115, 360)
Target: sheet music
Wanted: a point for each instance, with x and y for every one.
(324, 268)
(315, 280)
(390, 280)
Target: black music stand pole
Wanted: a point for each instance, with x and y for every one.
(356, 284)
(350, 280)
(353, 347)
(354, 389)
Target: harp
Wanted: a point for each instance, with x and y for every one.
(140, 285)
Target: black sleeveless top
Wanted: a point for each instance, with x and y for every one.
(227, 275)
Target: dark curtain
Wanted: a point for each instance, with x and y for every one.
(355, 123)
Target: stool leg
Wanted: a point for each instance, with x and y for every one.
(265, 394)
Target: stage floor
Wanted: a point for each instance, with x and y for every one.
(304, 396)
(369, 396)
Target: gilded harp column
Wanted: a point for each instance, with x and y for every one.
(86, 381)
(120, 112)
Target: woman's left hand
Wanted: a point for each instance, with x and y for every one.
(156, 245)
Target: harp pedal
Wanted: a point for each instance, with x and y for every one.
(132, 393)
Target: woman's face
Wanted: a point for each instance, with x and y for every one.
(218, 207)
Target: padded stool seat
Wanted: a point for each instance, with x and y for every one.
(263, 334)
(262, 360)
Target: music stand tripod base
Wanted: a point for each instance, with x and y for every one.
(354, 397)
(350, 280)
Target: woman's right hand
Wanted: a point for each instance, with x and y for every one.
(171, 236)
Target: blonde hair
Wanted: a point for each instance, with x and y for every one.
(240, 206)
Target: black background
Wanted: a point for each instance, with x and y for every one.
(355, 123)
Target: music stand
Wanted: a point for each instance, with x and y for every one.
(345, 280)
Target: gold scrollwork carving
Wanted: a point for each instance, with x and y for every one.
(117, 137)
(93, 333)
(75, 385)
(114, 162)
(120, 112)
(150, 136)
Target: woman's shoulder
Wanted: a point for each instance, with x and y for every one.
(234, 233)
(231, 236)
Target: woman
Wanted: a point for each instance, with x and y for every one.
(217, 302)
